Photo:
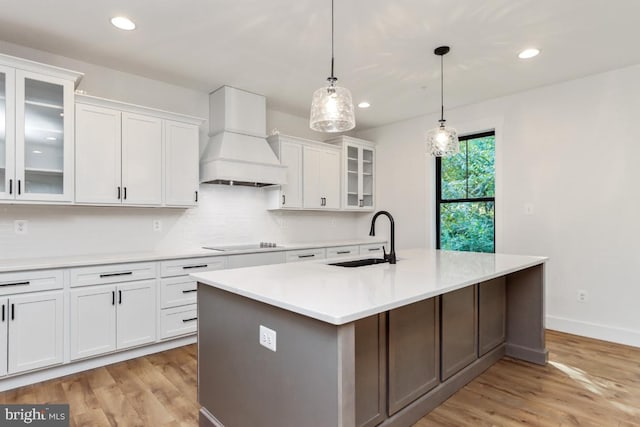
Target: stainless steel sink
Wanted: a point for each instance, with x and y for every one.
(360, 262)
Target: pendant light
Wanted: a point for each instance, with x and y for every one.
(332, 107)
(443, 140)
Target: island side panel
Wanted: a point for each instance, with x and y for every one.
(525, 315)
(307, 381)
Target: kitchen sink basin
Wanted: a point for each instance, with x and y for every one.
(360, 262)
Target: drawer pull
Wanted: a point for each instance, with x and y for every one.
(187, 267)
(126, 273)
(189, 320)
(186, 291)
(306, 256)
(15, 284)
(373, 249)
(343, 252)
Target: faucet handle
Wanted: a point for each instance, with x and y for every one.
(384, 253)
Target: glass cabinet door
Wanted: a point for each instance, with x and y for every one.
(359, 177)
(7, 123)
(43, 150)
(366, 200)
(353, 161)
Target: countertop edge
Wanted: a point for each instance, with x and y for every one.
(42, 263)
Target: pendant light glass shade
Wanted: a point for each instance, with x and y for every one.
(443, 140)
(332, 106)
(332, 110)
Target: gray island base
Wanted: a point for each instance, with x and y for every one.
(389, 368)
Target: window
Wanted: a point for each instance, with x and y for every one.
(465, 196)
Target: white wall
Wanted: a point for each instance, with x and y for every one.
(226, 215)
(571, 150)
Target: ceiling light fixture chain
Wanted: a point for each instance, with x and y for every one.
(443, 140)
(332, 106)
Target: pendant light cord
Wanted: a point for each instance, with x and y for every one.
(333, 79)
(441, 88)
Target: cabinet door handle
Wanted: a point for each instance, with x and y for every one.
(113, 297)
(13, 311)
(119, 297)
(283, 199)
(3, 313)
(196, 196)
(11, 186)
(19, 188)
(126, 273)
(118, 193)
(186, 291)
(15, 284)
(361, 202)
(188, 267)
(343, 252)
(189, 320)
(306, 256)
(125, 193)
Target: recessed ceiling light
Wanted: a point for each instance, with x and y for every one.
(364, 104)
(123, 23)
(37, 152)
(51, 138)
(529, 53)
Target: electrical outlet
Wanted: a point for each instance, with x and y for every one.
(157, 225)
(583, 296)
(268, 338)
(20, 226)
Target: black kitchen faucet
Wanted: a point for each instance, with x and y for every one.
(391, 256)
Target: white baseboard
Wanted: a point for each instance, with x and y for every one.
(594, 330)
(20, 380)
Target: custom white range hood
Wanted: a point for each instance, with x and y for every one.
(237, 152)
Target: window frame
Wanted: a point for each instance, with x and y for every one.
(440, 201)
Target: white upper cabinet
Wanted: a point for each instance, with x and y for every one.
(130, 155)
(98, 155)
(36, 131)
(358, 173)
(289, 151)
(141, 160)
(321, 177)
(181, 179)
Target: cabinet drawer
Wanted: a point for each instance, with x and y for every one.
(178, 291)
(182, 267)
(305, 255)
(178, 321)
(249, 260)
(114, 273)
(339, 251)
(30, 281)
(372, 249)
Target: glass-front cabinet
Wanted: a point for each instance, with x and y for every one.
(36, 131)
(358, 173)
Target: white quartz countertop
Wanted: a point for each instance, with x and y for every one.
(23, 264)
(340, 295)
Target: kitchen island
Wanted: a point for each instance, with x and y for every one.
(375, 345)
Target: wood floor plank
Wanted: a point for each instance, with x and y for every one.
(588, 383)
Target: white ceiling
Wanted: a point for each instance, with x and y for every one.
(281, 48)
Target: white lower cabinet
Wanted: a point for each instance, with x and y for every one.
(179, 321)
(32, 331)
(136, 317)
(112, 317)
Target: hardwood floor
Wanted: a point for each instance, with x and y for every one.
(586, 383)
